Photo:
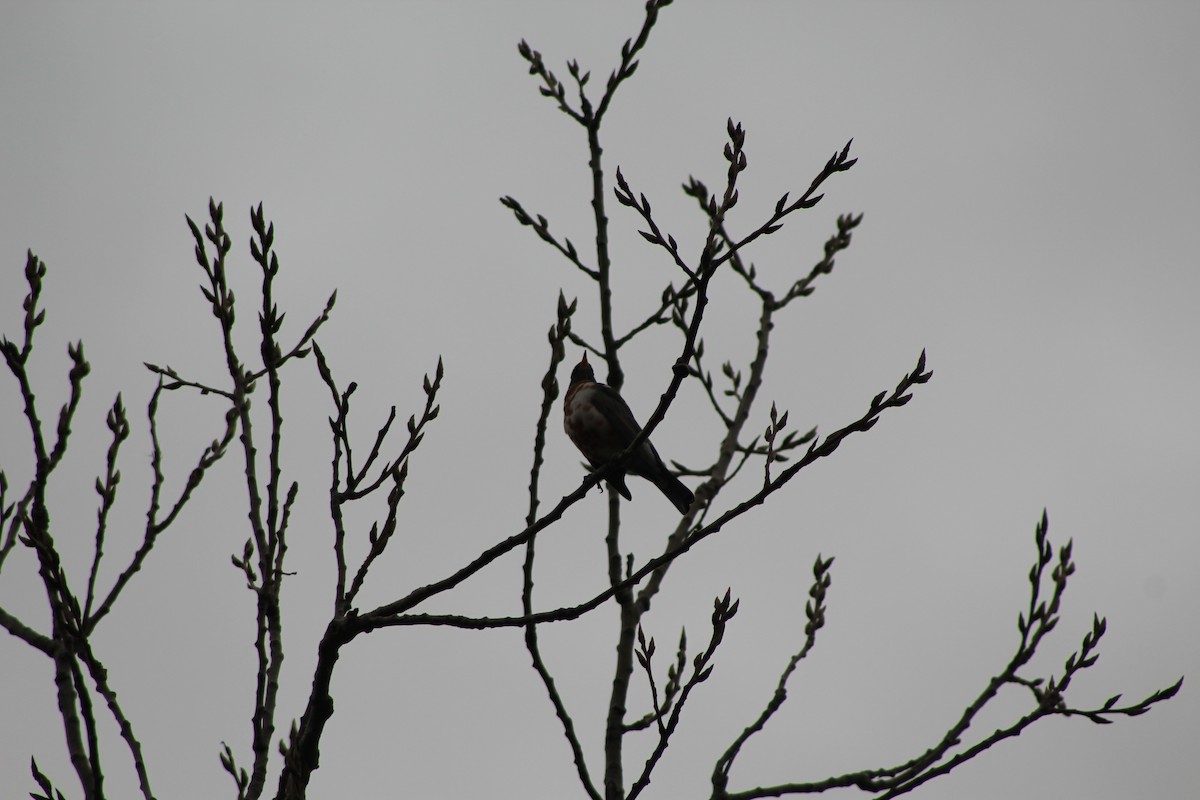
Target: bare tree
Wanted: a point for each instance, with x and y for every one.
(779, 453)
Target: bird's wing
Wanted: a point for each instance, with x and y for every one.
(616, 411)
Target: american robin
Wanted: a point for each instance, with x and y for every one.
(601, 425)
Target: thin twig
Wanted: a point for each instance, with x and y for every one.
(557, 335)
(1049, 699)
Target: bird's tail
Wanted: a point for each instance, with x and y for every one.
(679, 495)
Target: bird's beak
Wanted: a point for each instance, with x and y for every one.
(584, 359)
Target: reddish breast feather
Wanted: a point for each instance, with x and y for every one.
(586, 426)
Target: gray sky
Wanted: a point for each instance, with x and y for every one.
(1027, 173)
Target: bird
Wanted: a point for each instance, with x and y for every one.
(598, 421)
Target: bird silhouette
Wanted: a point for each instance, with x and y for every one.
(601, 425)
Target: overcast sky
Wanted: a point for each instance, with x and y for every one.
(1028, 176)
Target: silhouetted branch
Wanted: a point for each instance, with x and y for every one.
(48, 790)
(839, 162)
(654, 235)
(554, 89)
(723, 470)
(659, 315)
(354, 489)
(118, 425)
(175, 381)
(815, 614)
(557, 335)
(396, 613)
(262, 558)
(1049, 698)
(11, 516)
(72, 621)
(542, 228)
(154, 524)
(723, 611)
(670, 690)
(241, 778)
(99, 677)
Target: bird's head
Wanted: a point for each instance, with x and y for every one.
(583, 372)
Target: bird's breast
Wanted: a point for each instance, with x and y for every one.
(587, 426)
